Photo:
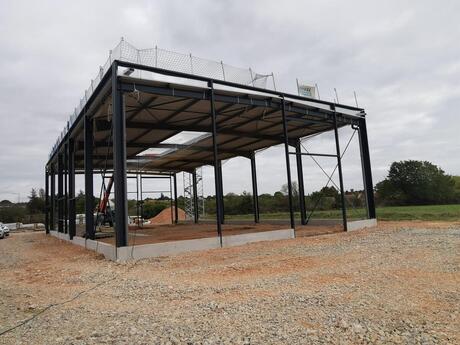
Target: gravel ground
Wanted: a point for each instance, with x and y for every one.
(398, 283)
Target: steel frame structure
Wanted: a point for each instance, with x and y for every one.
(233, 130)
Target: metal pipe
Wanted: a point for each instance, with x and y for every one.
(216, 161)
(119, 162)
(339, 167)
(298, 151)
(288, 165)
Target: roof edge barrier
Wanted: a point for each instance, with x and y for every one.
(160, 63)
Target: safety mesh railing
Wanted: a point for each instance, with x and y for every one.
(169, 60)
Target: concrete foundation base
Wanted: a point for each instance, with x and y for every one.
(124, 254)
(361, 224)
(105, 249)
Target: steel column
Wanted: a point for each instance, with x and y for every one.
(221, 186)
(176, 207)
(89, 193)
(195, 197)
(366, 168)
(71, 206)
(216, 161)
(255, 195)
(60, 194)
(288, 165)
(298, 151)
(339, 168)
(119, 161)
(66, 196)
(47, 202)
(52, 197)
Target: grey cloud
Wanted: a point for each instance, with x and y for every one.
(402, 58)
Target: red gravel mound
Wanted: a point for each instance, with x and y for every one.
(164, 217)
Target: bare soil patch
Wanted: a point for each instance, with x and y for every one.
(397, 283)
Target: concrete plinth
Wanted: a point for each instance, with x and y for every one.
(361, 224)
(143, 251)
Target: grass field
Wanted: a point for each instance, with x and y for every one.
(429, 212)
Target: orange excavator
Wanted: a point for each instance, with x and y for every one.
(104, 214)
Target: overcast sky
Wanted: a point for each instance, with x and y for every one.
(401, 57)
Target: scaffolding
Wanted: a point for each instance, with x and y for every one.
(194, 195)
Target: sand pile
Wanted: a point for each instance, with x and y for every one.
(164, 217)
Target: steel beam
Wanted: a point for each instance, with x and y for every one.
(255, 195)
(298, 151)
(288, 165)
(313, 154)
(145, 146)
(71, 171)
(89, 193)
(339, 168)
(227, 83)
(103, 125)
(216, 161)
(119, 162)
(366, 168)
(195, 197)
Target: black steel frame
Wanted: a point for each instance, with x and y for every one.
(64, 157)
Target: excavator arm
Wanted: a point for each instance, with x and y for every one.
(102, 207)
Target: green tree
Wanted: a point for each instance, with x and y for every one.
(416, 183)
(151, 208)
(325, 199)
(80, 202)
(35, 204)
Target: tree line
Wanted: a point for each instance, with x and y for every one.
(407, 183)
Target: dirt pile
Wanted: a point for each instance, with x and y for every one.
(165, 216)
